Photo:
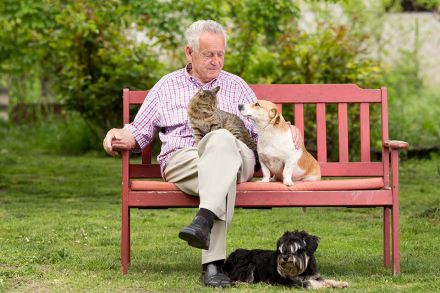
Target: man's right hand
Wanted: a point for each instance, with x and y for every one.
(118, 139)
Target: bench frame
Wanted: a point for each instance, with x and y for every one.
(297, 95)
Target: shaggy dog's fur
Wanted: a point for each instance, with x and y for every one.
(291, 264)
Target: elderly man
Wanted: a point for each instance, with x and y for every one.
(210, 169)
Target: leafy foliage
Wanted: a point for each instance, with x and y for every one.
(98, 61)
(83, 48)
(84, 52)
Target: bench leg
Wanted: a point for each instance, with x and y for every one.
(125, 239)
(395, 208)
(386, 237)
(396, 242)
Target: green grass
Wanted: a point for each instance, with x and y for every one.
(60, 231)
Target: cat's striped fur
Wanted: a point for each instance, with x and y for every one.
(205, 117)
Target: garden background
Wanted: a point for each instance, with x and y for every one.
(63, 64)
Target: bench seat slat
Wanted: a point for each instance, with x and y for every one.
(328, 169)
(255, 199)
(338, 184)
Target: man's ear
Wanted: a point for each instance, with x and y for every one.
(216, 89)
(188, 53)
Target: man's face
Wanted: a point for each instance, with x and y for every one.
(208, 61)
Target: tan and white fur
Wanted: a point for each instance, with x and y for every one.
(276, 149)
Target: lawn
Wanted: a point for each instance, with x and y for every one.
(60, 231)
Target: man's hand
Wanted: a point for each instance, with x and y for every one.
(296, 136)
(118, 139)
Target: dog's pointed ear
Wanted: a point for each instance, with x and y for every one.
(311, 243)
(273, 113)
(216, 89)
(274, 116)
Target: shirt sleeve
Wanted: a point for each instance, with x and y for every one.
(146, 122)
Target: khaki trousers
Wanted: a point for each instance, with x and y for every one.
(211, 171)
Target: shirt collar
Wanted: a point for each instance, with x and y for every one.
(194, 80)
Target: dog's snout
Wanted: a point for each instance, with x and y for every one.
(286, 257)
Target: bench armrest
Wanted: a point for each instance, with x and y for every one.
(395, 144)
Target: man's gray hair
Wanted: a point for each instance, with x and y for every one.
(192, 34)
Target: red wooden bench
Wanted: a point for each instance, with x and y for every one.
(367, 183)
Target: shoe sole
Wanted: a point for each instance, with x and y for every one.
(193, 240)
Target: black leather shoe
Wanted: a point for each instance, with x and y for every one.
(214, 276)
(197, 234)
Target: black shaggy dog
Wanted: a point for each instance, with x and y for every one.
(291, 264)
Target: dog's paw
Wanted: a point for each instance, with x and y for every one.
(335, 284)
(288, 182)
(319, 284)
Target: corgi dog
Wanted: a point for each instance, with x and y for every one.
(276, 149)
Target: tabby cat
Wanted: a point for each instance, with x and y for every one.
(206, 117)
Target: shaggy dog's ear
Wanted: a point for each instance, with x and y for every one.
(282, 239)
(312, 243)
(216, 89)
(274, 116)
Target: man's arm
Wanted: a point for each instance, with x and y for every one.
(139, 133)
(119, 139)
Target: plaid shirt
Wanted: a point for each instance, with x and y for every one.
(165, 109)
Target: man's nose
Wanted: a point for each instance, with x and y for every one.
(216, 59)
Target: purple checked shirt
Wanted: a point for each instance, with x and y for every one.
(165, 109)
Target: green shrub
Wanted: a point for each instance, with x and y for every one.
(71, 135)
(413, 106)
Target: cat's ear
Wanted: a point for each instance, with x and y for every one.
(216, 89)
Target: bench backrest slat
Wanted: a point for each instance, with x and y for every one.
(365, 132)
(321, 95)
(321, 133)
(147, 153)
(348, 169)
(144, 171)
(312, 93)
(343, 132)
(299, 117)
